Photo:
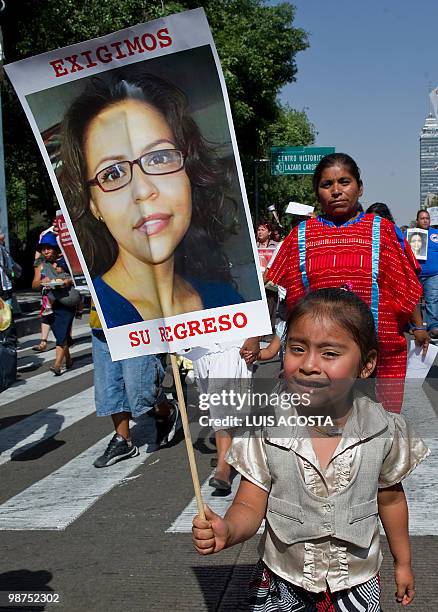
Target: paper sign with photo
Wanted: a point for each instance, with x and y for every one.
(136, 132)
(418, 240)
(69, 254)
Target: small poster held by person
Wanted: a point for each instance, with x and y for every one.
(433, 214)
(157, 213)
(418, 241)
(69, 254)
(265, 255)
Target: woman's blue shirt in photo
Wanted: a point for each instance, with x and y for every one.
(117, 310)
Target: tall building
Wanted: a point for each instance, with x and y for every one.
(428, 160)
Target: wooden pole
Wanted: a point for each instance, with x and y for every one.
(187, 436)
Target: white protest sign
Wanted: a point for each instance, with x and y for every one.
(419, 364)
(433, 212)
(295, 208)
(158, 216)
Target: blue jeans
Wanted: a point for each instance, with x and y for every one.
(430, 287)
(130, 385)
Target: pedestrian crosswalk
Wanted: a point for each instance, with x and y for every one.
(57, 500)
(43, 424)
(54, 500)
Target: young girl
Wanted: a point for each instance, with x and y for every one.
(322, 489)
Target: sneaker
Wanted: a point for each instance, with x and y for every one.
(167, 428)
(117, 449)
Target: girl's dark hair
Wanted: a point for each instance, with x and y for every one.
(335, 159)
(345, 309)
(213, 210)
(381, 210)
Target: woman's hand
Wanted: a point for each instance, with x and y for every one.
(249, 356)
(422, 339)
(405, 581)
(210, 534)
(250, 347)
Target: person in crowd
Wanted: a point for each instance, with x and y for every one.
(270, 351)
(429, 274)
(45, 327)
(277, 234)
(150, 201)
(8, 347)
(345, 247)
(6, 272)
(265, 241)
(222, 369)
(53, 229)
(264, 236)
(58, 316)
(125, 390)
(403, 228)
(323, 488)
(382, 210)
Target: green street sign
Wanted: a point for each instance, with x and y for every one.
(296, 160)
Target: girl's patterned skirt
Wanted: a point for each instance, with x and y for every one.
(270, 593)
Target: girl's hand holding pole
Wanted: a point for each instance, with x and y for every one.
(209, 534)
(404, 579)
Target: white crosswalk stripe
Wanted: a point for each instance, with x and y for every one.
(217, 502)
(420, 487)
(32, 359)
(44, 424)
(57, 500)
(23, 388)
(80, 328)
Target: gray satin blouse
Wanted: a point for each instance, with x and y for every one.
(326, 561)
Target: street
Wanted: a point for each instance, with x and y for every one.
(118, 539)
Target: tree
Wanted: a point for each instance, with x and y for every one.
(291, 128)
(257, 45)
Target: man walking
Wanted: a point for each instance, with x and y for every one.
(429, 274)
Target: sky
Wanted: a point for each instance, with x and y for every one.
(364, 82)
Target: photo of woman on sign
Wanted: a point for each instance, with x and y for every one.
(417, 239)
(149, 199)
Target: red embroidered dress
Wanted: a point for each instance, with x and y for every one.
(366, 254)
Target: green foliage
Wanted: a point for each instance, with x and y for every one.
(291, 128)
(256, 43)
